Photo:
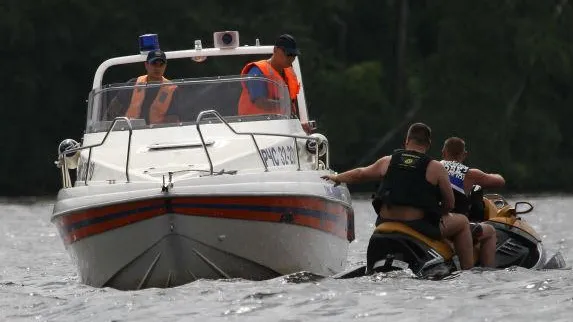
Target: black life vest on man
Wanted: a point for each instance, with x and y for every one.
(405, 184)
(457, 173)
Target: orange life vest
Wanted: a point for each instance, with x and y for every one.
(158, 107)
(248, 107)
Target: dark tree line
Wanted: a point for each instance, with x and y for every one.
(497, 73)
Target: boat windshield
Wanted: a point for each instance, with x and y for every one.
(176, 102)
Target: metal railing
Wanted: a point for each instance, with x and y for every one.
(61, 155)
(252, 135)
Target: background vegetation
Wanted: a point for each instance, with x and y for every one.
(495, 72)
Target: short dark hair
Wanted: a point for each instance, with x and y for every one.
(455, 146)
(419, 133)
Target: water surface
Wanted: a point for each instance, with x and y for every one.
(39, 283)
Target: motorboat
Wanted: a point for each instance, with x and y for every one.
(394, 246)
(209, 194)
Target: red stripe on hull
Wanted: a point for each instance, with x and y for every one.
(110, 225)
(313, 212)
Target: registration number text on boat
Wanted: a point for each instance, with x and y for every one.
(279, 155)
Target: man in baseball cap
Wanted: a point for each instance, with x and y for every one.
(287, 43)
(156, 55)
(155, 65)
(155, 104)
(257, 98)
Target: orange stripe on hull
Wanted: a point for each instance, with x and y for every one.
(110, 225)
(311, 203)
(228, 213)
(312, 212)
(106, 210)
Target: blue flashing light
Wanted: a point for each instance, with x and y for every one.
(148, 42)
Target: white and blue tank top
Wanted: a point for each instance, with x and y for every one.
(457, 173)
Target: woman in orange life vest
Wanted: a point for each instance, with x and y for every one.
(261, 97)
(154, 104)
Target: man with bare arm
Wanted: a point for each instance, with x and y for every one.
(416, 191)
(155, 104)
(462, 179)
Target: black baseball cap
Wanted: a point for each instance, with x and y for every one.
(156, 55)
(287, 43)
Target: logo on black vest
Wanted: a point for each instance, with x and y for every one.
(409, 160)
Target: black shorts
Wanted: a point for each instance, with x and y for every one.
(429, 228)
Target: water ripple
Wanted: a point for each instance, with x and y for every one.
(39, 283)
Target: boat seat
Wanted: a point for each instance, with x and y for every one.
(442, 245)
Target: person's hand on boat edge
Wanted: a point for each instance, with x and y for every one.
(331, 177)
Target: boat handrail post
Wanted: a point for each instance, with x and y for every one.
(127, 157)
(297, 155)
(90, 147)
(259, 151)
(88, 166)
(327, 154)
(317, 155)
(66, 181)
(198, 125)
(252, 134)
(62, 169)
(218, 116)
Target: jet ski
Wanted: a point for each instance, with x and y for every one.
(394, 246)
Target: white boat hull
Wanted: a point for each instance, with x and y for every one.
(156, 239)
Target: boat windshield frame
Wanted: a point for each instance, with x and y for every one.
(193, 54)
(98, 121)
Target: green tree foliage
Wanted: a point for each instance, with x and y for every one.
(497, 73)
